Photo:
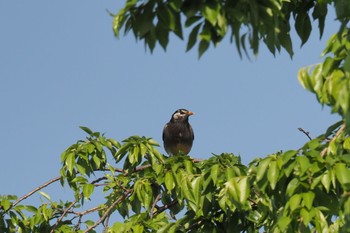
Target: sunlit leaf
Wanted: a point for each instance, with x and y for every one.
(88, 189)
(273, 174)
(169, 181)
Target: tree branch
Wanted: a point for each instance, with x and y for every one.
(154, 204)
(163, 208)
(73, 203)
(35, 190)
(96, 208)
(120, 199)
(305, 132)
(62, 216)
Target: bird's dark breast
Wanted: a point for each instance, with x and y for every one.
(178, 138)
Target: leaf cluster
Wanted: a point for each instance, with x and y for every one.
(330, 80)
(304, 190)
(247, 23)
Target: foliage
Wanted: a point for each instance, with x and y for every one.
(330, 80)
(301, 190)
(247, 22)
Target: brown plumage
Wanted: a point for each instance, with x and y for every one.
(178, 134)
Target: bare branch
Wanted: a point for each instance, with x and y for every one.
(87, 211)
(305, 132)
(143, 167)
(163, 208)
(35, 190)
(98, 180)
(154, 204)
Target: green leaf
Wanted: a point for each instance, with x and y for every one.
(210, 11)
(175, 4)
(342, 173)
(342, 8)
(5, 204)
(114, 142)
(307, 215)
(70, 162)
(294, 202)
(231, 186)
(169, 181)
(47, 196)
(86, 129)
(197, 188)
(346, 143)
(203, 46)
(326, 180)
(304, 163)
(283, 223)
(166, 17)
(303, 26)
(286, 42)
(88, 189)
(346, 64)
(320, 13)
(188, 166)
(243, 189)
(273, 174)
(292, 186)
(192, 39)
(163, 36)
(192, 20)
(262, 167)
(214, 173)
(305, 80)
(138, 229)
(308, 199)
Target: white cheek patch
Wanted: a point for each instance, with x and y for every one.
(177, 116)
(180, 135)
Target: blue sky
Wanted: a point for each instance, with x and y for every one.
(61, 67)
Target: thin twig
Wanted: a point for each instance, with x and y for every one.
(305, 132)
(98, 180)
(62, 216)
(35, 190)
(87, 211)
(167, 206)
(154, 204)
(105, 224)
(143, 167)
(72, 204)
(120, 199)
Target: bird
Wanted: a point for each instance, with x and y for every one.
(178, 134)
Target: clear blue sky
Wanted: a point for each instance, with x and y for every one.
(61, 67)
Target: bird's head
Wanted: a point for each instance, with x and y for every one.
(181, 115)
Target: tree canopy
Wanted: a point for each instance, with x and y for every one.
(247, 22)
(305, 189)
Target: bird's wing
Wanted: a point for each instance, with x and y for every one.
(164, 129)
(191, 132)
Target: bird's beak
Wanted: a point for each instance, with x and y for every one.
(189, 113)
